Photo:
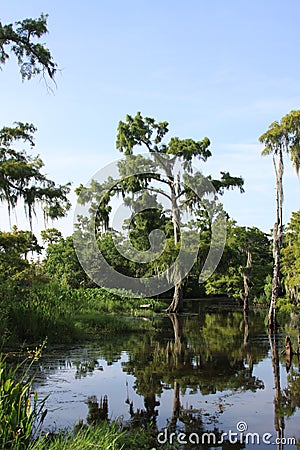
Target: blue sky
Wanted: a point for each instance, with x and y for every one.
(220, 69)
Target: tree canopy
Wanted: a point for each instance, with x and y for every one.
(20, 39)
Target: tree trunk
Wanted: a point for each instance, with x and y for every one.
(275, 281)
(176, 305)
(277, 238)
(246, 278)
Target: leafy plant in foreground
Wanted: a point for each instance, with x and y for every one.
(21, 412)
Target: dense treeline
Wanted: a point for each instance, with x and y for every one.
(51, 290)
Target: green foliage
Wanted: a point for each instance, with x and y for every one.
(61, 262)
(53, 311)
(21, 177)
(228, 278)
(33, 57)
(290, 264)
(16, 273)
(284, 136)
(120, 302)
(43, 313)
(285, 306)
(21, 413)
(15, 246)
(227, 182)
(138, 131)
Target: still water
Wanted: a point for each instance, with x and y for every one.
(210, 374)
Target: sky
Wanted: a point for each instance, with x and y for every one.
(225, 70)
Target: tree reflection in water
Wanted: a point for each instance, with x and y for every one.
(97, 411)
(287, 400)
(204, 353)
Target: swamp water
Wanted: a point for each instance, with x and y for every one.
(212, 374)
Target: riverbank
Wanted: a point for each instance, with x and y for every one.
(63, 315)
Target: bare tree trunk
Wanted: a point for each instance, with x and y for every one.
(275, 281)
(176, 305)
(246, 278)
(277, 239)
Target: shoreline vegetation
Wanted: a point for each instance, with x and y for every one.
(82, 314)
(85, 313)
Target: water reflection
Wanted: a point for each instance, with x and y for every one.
(279, 424)
(97, 411)
(195, 372)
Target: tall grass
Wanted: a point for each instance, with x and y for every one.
(21, 412)
(64, 315)
(104, 436)
(118, 302)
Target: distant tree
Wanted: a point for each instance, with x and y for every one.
(281, 137)
(61, 262)
(16, 272)
(19, 39)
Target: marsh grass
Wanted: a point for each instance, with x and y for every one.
(95, 324)
(118, 302)
(65, 315)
